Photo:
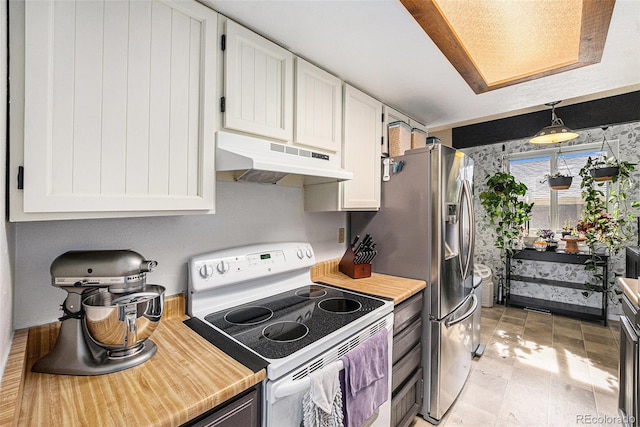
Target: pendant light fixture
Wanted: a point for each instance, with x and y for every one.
(556, 132)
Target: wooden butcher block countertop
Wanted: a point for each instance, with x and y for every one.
(395, 288)
(185, 378)
(630, 288)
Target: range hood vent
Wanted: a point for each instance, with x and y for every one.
(258, 160)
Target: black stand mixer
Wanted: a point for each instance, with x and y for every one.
(109, 313)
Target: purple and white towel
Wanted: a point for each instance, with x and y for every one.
(366, 379)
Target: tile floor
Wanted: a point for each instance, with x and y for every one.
(539, 370)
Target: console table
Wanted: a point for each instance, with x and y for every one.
(575, 310)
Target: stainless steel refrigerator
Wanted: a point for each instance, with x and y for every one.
(425, 230)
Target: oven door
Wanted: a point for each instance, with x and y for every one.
(283, 397)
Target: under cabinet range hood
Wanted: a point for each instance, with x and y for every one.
(259, 160)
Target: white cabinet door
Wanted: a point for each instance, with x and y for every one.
(362, 130)
(119, 98)
(258, 85)
(318, 108)
(361, 150)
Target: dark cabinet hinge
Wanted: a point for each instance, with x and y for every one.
(223, 105)
(382, 117)
(223, 42)
(382, 140)
(20, 178)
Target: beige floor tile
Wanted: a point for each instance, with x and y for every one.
(563, 341)
(517, 321)
(606, 338)
(570, 405)
(567, 332)
(466, 414)
(515, 312)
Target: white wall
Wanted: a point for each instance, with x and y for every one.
(6, 287)
(246, 213)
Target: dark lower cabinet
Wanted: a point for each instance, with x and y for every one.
(628, 366)
(243, 410)
(406, 376)
(632, 269)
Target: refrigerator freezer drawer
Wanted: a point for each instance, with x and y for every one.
(450, 363)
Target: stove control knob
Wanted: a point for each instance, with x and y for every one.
(309, 253)
(206, 271)
(222, 267)
(300, 253)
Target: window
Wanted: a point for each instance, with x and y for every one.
(552, 209)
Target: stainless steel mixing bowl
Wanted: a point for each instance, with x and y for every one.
(121, 323)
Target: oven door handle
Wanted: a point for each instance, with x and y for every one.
(292, 387)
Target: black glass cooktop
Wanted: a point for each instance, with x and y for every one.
(282, 324)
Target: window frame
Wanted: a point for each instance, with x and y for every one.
(552, 153)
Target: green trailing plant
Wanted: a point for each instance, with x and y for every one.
(505, 209)
(606, 222)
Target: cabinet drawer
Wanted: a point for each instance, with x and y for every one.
(407, 401)
(405, 366)
(406, 312)
(406, 339)
(243, 411)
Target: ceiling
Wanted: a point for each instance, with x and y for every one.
(378, 47)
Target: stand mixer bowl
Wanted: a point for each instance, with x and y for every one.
(121, 323)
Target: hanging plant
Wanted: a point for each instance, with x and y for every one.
(610, 228)
(606, 169)
(559, 181)
(505, 209)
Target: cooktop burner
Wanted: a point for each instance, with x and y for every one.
(251, 315)
(285, 331)
(282, 324)
(339, 305)
(313, 291)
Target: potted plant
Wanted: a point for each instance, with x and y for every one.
(558, 181)
(548, 237)
(506, 210)
(607, 228)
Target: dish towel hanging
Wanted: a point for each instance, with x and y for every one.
(366, 379)
(322, 403)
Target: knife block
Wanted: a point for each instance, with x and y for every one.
(355, 271)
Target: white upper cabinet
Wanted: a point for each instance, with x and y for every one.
(258, 85)
(362, 134)
(119, 106)
(361, 150)
(318, 108)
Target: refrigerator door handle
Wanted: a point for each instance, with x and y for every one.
(465, 194)
(448, 323)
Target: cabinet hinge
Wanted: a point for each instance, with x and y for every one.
(223, 42)
(382, 117)
(382, 140)
(421, 388)
(20, 178)
(222, 105)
